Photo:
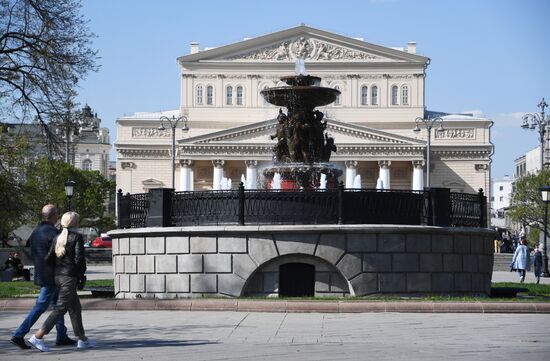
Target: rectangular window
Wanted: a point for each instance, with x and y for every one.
(209, 95)
(229, 95)
(501, 199)
(501, 188)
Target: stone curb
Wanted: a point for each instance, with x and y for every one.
(23, 304)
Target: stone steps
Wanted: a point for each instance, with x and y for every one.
(502, 261)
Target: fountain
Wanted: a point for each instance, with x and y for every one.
(303, 148)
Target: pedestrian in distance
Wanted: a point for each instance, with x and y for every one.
(18, 270)
(40, 241)
(537, 264)
(521, 260)
(67, 254)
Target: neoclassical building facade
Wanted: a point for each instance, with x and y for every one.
(372, 121)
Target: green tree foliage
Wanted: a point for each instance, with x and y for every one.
(47, 180)
(527, 206)
(13, 166)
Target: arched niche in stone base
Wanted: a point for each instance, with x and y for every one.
(266, 280)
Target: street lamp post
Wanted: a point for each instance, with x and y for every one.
(173, 121)
(532, 121)
(429, 124)
(69, 191)
(545, 192)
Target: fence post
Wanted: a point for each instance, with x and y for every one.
(123, 209)
(160, 207)
(483, 209)
(241, 204)
(439, 207)
(341, 203)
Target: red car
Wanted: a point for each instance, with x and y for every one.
(102, 242)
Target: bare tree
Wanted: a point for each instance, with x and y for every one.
(45, 49)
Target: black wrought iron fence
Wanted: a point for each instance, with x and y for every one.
(437, 206)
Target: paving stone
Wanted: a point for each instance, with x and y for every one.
(331, 247)
(461, 244)
(390, 242)
(217, 263)
(243, 265)
(154, 283)
(146, 264)
(262, 249)
(232, 244)
(155, 245)
(190, 263)
(296, 243)
(442, 282)
(177, 245)
(392, 282)
(230, 284)
(361, 242)
(124, 245)
(452, 263)
(204, 283)
(177, 283)
(137, 283)
(130, 264)
(405, 262)
(203, 244)
(376, 262)
(365, 284)
(419, 282)
(137, 245)
(350, 265)
(442, 243)
(431, 263)
(469, 263)
(166, 264)
(418, 243)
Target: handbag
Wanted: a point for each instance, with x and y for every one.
(81, 283)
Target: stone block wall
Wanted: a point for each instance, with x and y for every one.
(183, 262)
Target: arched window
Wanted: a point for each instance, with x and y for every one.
(374, 95)
(364, 95)
(239, 95)
(209, 95)
(338, 100)
(394, 95)
(229, 95)
(199, 95)
(87, 164)
(404, 95)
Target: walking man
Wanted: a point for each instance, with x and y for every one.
(40, 241)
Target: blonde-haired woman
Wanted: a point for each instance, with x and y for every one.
(67, 253)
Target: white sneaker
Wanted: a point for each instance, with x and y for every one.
(89, 343)
(38, 343)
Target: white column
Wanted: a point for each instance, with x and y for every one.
(251, 174)
(218, 174)
(186, 179)
(385, 173)
(418, 175)
(351, 172)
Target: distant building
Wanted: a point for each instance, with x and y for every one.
(501, 192)
(372, 121)
(529, 163)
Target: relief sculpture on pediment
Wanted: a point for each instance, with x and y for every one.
(304, 48)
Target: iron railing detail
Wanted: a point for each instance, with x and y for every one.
(436, 206)
(468, 210)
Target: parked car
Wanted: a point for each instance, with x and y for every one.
(102, 242)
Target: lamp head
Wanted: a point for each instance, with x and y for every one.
(69, 188)
(545, 193)
(161, 126)
(416, 128)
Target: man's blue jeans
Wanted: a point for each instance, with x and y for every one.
(48, 295)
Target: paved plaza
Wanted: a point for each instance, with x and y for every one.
(180, 335)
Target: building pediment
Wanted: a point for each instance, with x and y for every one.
(310, 44)
(259, 133)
